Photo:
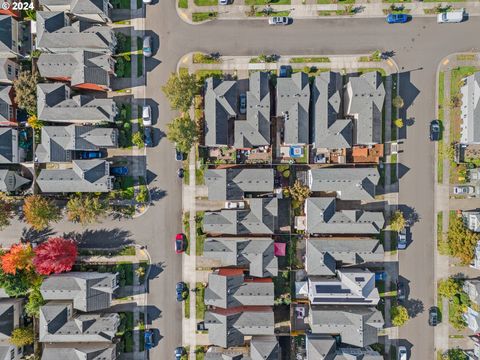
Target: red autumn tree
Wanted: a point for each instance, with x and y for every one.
(56, 255)
(19, 257)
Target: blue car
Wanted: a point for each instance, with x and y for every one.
(119, 171)
(148, 136)
(179, 351)
(397, 18)
(180, 288)
(380, 276)
(148, 335)
(90, 155)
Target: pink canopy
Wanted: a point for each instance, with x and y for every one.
(280, 249)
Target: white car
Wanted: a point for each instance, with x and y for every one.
(463, 190)
(222, 2)
(147, 1)
(402, 353)
(279, 20)
(147, 115)
(234, 205)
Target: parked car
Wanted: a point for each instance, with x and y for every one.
(279, 20)
(401, 296)
(402, 239)
(451, 16)
(180, 242)
(435, 130)
(285, 71)
(147, 46)
(181, 173)
(433, 316)
(463, 190)
(222, 2)
(380, 276)
(397, 18)
(243, 103)
(235, 205)
(178, 154)
(91, 155)
(402, 353)
(148, 336)
(179, 351)
(180, 289)
(119, 170)
(147, 131)
(147, 1)
(147, 115)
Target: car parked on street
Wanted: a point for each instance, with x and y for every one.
(147, 115)
(463, 190)
(180, 243)
(279, 20)
(402, 353)
(180, 289)
(147, 46)
(148, 336)
(222, 2)
(179, 352)
(119, 170)
(397, 18)
(455, 16)
(401, 296)
(402, 239)
(85, 155)
(433, 316)
(180, 173)
(435, 130)
(243, 103)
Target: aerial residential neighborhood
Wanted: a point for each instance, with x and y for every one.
(239, 180)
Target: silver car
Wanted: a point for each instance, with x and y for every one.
(279, 20)
(147, 46)
(243, 103)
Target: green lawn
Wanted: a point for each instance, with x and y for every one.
(126, 186)
(200, 235)
(393, 169)
(120, 4)
(187, 307)
(266, 2)
(273, 13)
(199, 301)
(441, 104)
(202, 16)
(206, 2)
(203, 74)
(322, 59)
(139, 4)
(123, 66)
(139, 57)
(183, 4)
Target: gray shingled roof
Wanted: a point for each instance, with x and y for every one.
(59, 142)
(7, 317)
(85, 176)
(55, 32)
(264, 348)
(220, 106)
(350, 287)
(10, 181)
(54, 104)
(262, 217)
(8, 145)
(472, 288)
(82, 67)
(470, 127)
(293, 102)
(348, 183)
(232, 291)
(232, 184)
(357, 325)
(364, 97)
(89, 291)
(6, 33)
(322, 218)
(229, 330)
(7, 65)
(322, 255)
(219, 353)
(256, 254)
(328, 129)
(255, 130)
(80, 352)
(57, 324)
(325, 348)
(5, 103)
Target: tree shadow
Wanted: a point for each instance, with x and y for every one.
(410, 215)
(157, 194)
(414, 307)
(155, 270)
(37, 236)
(103, 238)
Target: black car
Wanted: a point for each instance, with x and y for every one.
(180, 173)
(435, 130)
(433, 316)
(180, 288)
(148, 136)
(179, 351)
(401, 290)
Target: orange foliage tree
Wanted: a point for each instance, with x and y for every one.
(19, 257)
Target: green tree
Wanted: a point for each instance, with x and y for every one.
(461, 241)
(142, 196)
(399, 315)
(34, 122)
(183, 132)
(454, 354)
(398, 102)
(398, 123)
(15, 285)
(85, 209)
(180, 90)
(137, 140)
(299, 192)
(22, 336)
(397, 221)
(39, 211)
(26, 91)
(35, 300)
(6, 212)
(448, 288)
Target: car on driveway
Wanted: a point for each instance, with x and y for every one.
(463, 190)
(402, 239)
(119, 170)
(401, 296)
(85, 155)
(380, 276)
(243, 103)
(148, 136)
(180, 242)
(179, 352)
(279, 20)
(397, 18)
(433, 316)
(181, 288)
(147, 115)
(148, 336)
(435, 130)
(222, 2)
(147, 46)
(402, 353)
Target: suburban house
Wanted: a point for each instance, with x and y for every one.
(56, 33)
(321, 217)
(255, 130)
(326, 348)
(472, 220)
(261, 348)
(88, 10)
(474, 354)
(349, 287)
(14, 37)
(11, 182)
(229, 328)
(472, 316)
(221, 104)
(56, 104)
(89, 291)
(237, 184)
(356, 325)
(60, 143)
(8, 109)
(9, 153)
(345, 183)
(83, 69)
(325, 255)
(330, 130)
(469, 129)
(364, 97)
(263, 216)
(11, 315)
(9, 70)
(476, 257)
(80, 352)
(293, 102)
(84, 176)
(257, 255)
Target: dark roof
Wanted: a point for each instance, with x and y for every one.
(8, 145)
(11, 181)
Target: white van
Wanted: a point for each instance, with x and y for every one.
(451, 16)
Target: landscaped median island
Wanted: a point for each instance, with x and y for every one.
(202, 16)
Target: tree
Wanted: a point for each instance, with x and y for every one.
(461, 241)
(397, 221)
(6, 212)
(56, 255)
(19, 257)
(180, 90)
(454, 354)
(15, 285)
(398, 102)
(39, 211)
(183, 132)
(448, 288)
(85, 209)
(34, 122)
(26, 91)
(299, 192)
(137, 139)
(398, 123)
(35, 300)
(22, 336)
(399, 315)
(140, 271)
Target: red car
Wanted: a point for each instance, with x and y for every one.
(180, 242)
